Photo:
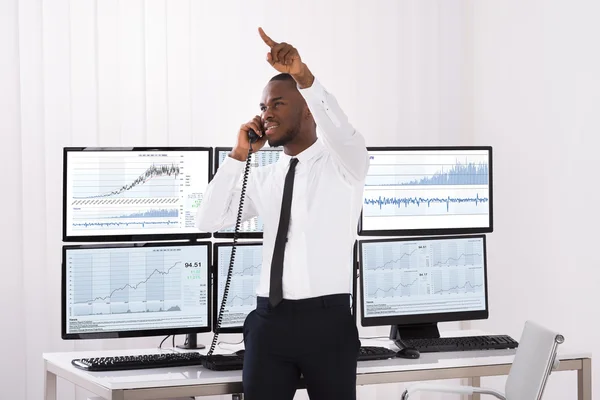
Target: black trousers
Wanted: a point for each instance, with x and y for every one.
(314, 338)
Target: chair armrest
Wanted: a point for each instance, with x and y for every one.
(457, 389)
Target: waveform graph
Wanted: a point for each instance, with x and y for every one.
(245, 278)
(407, 208)
(121, 217)
(394, 202)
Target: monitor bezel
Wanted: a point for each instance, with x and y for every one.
(241, 235)
(355, 275)
(422, 318)
(216, 305)
(436, 231)
(124, 237)
(139, 333)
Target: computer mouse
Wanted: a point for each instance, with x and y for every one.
(240, 352)
(408, 352)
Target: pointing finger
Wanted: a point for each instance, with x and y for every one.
(270, 42)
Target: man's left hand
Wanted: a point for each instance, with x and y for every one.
(285, 58)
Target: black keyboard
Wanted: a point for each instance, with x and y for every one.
(224, 362)
(228, 362)
(216, 362)
(367, 353)
(160, 360)
(488, 342)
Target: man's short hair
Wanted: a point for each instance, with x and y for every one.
(283, 77)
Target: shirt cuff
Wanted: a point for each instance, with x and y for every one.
(231, 166)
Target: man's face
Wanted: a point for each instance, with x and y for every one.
(281, 112)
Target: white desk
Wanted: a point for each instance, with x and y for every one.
(164, 383)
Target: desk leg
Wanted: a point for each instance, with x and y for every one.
(584, 380)
(50, 384)
(475, 382)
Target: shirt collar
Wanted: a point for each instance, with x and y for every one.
(304, 156)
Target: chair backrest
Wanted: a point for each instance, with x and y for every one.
(533, 362)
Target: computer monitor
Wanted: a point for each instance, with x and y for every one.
(253, 228)
(241, 297)
(412, 191)
(133, 194)
(135, 290)
(412, 284)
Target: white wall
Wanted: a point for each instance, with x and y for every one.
(536, 100)
(13, 378)
(182, 72)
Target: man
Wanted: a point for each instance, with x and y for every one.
(302, 324)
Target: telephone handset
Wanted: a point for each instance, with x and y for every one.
(253, 137)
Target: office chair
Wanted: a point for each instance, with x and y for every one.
(534, 360)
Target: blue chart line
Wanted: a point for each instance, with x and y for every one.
(394, 261)
(153, 171)
(134, 287)
(394, 288)
(252, 267)
(123, 224)
(419, 201)
(456, 288)
(242, 298)
(447, 262)
(459, 174)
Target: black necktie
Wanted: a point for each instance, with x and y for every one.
(276, 289)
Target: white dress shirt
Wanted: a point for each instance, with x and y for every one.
(326, 203)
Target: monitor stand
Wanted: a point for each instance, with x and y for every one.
(413, 331)
(191, 342)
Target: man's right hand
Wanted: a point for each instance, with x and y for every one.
(240, 151)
